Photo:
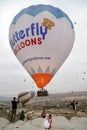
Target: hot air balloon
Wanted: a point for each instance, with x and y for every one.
(32, 92)
(24, 97)
(24, 80)
(41, 37)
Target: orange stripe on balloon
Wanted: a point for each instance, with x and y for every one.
(42, 79)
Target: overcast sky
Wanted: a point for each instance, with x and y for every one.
(72, 76)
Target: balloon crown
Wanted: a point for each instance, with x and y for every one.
(36, 9)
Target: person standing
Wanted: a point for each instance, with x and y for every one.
(50, 121)
(14, 103)
(75, 107)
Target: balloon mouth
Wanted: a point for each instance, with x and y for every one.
(42, 79)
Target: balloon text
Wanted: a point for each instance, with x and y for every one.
(33, 30)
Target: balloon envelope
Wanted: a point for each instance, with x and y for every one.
(32, 92)
(24, 97)
(41, 37)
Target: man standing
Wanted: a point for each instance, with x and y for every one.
(75, 107)
(14, 103)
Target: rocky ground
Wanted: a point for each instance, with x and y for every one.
(57, 104)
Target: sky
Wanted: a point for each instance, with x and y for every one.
(72, 76)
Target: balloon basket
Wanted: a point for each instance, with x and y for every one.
(42, 92)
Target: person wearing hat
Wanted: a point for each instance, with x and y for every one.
(14, 103)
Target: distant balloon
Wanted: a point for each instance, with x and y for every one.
(75, 23)
(24, 97)
(32, 92)
(41, 37)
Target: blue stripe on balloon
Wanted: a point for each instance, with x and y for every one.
(36, 9)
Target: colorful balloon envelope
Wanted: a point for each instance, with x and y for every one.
(41, 37)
